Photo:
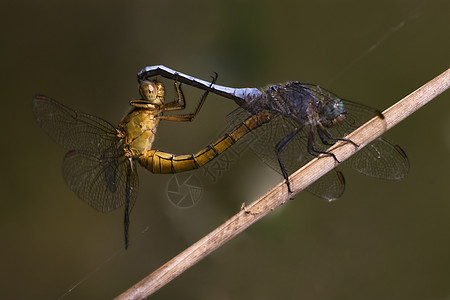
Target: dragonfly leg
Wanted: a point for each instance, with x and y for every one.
(315, 152)
(324, 135)
(188, 117)
(280, 146)
(178, 104)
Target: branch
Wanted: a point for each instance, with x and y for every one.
(279, 194)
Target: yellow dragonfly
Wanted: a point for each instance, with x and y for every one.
(100, 163)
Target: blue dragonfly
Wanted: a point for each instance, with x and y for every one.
(301, 122)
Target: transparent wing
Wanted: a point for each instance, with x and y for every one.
(357, 114)
(263, 140)
(381, 158)
(95, 167)
(72, 129)
(102, 182)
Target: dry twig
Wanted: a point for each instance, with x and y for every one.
(279, 194)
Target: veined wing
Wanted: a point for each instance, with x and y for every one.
(381, 158)
(72, 129)
(263, 139)
(95, 167)
(105, 182)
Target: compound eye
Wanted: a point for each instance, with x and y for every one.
(147, 89)
(333, 112)
(152, 92)
(333, 109)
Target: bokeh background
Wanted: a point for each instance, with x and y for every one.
(381, 240)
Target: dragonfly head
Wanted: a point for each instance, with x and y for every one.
(152, 91)
(333, 112)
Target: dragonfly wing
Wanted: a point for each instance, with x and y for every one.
(263, 140)
(95, 166)
(380, 159)
(329, 187)
(104, 182)
(131, 184)
(72, 129)
(356, 114)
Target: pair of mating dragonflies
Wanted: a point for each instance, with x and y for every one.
(292, 123)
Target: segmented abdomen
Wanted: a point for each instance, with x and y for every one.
(163, 163)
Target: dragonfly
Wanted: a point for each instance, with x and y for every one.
(301, 122)
(100, 165)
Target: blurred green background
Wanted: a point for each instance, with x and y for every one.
(381, 240)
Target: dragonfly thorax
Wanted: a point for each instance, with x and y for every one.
(138, 131)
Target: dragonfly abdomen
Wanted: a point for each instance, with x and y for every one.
(159, 162)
